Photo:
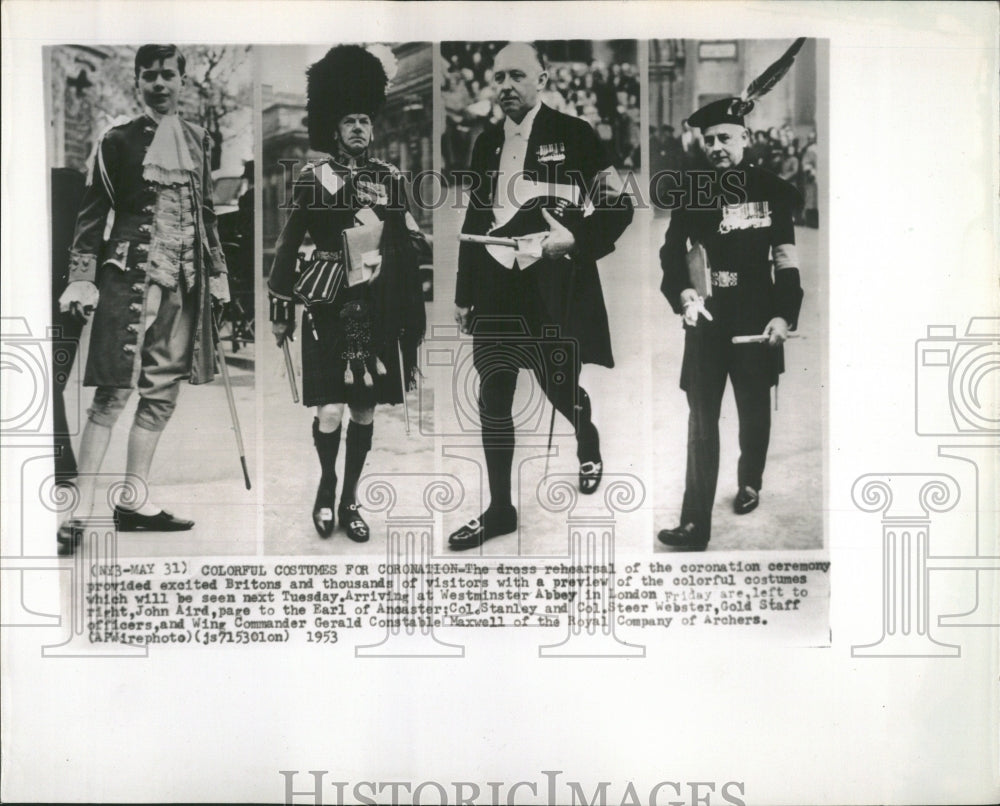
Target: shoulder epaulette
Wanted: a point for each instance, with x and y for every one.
(388, 166)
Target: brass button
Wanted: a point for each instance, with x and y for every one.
(136, 307)
(144, 228)
(129, 348)
(137, 286)
(133, 328)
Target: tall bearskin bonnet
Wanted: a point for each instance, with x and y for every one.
(348, 80)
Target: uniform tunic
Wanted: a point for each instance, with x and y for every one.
(327, 199)
(747, 232)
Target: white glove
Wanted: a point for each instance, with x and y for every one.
(694, 306)
(80, 298)
(218, 287)
(776, 331)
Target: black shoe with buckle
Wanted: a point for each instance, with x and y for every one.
(492, 523)
(590, 476)
(69, 536)
(686, 537)
(353, 523)
(591, 467)
(746, 500)
(128, 520)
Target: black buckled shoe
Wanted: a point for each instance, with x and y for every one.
(492, 523)
(746, 500)
(590, 476)
(322, 514)
(353, 523)
(127, 520)
(686, 537)
(69, 536)
(588, 452)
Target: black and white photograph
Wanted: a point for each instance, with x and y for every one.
(741, 336)
(479, 403)
(348, 262)
(545, 369)
(150, 170)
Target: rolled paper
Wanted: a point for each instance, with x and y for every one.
(488, 240)
(760, 339)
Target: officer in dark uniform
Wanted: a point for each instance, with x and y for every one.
(152, 282)
(739, 236)
(506, 297)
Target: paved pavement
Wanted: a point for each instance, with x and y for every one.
(196, 471)
(292, 469)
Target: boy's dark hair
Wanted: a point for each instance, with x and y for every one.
(147, 55)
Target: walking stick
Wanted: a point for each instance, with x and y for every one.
(548, 449)
(402, 384)
(290, 369)
(232, 404)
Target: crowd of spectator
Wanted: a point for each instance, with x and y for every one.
(777, 149)
(606, 96)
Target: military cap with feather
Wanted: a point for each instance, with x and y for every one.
(733, 110)
(348, 80)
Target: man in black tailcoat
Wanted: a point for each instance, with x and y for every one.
(547, 285)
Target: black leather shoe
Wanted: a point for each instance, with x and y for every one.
(746, 500)
(590, 477)
(353, 523)
(68, 537)
(686, 537)
(488, 525)
(128, 520)
(323, 518)
(591, 466)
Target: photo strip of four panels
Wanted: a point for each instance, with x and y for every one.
(329, 283)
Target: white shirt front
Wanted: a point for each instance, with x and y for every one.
(512, 157)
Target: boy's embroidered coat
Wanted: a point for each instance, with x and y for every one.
(118, 265)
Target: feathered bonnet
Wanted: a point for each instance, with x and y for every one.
(348, 80)
(732, 110)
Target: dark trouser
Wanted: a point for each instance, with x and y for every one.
(709, 359)
(498, 364)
